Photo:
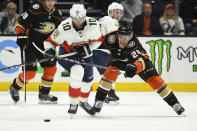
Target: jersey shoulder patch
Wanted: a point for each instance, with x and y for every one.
(35, 6)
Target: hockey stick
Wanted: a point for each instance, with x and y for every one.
(36, 61)
(24, 72)
(7, 50)
(80, 62)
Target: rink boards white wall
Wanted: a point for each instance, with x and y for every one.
(174, 57)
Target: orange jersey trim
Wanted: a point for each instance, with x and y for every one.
(139, 66)
(19, 30)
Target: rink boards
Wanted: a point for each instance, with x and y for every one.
(175, 58)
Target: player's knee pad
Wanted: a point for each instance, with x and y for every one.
(76, 75)
(28, 76)
(156, 82)
(49, 73)
(111, 75)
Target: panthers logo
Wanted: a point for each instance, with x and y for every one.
(46, 28)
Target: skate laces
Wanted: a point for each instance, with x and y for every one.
(98, 104)
(88, 106)
(73, 107)
(47, 96)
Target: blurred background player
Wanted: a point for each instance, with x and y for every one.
(101, 55)
(129, 55)
(79, 34)
(37, 23)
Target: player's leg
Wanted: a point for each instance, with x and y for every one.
(18, 83)
(76, 76)
(30, 72)
(105, 86)
(50, 70)
(46, 85)
(86, 88)
(101, 58)
(151, 76)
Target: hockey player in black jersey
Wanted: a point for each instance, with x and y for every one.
(35, 25)
(129, 55)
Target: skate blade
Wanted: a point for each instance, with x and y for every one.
(47, 102)
(183, 114)
(20, 103)
(72, 116)
(113, 103)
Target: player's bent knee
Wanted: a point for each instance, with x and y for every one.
(29, 75)
(76, 75)
(156, 82)
(49, 72)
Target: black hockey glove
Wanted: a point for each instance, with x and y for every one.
(130, 70)
(21, 40)
(49, 53)
(83, 51)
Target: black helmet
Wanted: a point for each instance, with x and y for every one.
(125, 28)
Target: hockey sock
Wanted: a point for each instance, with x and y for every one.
(167, 95)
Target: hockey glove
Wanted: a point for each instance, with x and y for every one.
(21, 40)
(49, 53)
(130, 70)
(83, 51)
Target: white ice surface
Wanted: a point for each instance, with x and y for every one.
(136, 112)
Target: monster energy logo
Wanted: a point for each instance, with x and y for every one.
(160, 44)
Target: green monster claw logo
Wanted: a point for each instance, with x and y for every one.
(160, 44)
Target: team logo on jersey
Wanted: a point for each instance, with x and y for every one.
(56, 34)
(36, 6)
(131, 44)
(46, 28)
(111, 39)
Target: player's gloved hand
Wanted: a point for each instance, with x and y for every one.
(130, 70)
(21, 40)
(83, 51)
(49, 53)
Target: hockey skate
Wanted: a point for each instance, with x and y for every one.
(88, 108)
(112, 98)
(45, 98)
(72, 110)
(14, 94)
(178, 108)
(97, 106)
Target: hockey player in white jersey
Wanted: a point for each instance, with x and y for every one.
(79, 34)
(109, 24)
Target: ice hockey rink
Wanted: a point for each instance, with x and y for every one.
(137, 111)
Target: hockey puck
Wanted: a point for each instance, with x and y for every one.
(47, 120)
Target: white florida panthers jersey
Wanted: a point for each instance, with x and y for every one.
(67, 35)
(108, 25)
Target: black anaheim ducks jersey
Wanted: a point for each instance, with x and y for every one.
(38, 23)
(120, 57)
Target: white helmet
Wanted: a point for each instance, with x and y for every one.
(114, 6)
(78, 10)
